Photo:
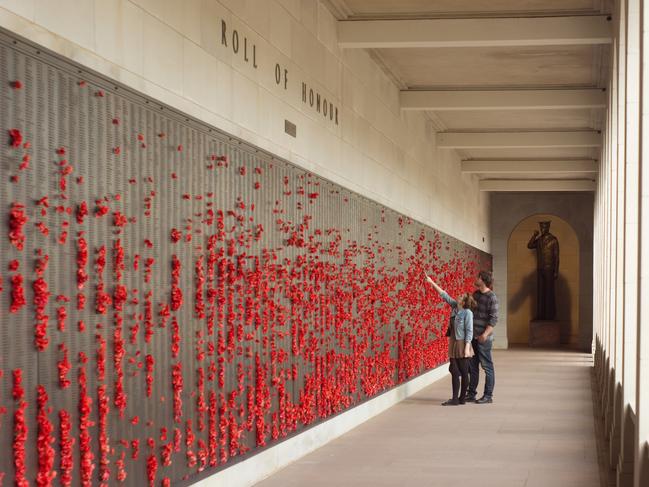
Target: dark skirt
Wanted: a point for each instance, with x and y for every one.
(456, 348)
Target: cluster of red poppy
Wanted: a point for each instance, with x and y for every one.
(119, 399)
(66, 448)
(64, 367)
(44, 441)
(189, 444)
(176, 293)
(104, 445)
(41, 298)
(87, 464)
(201, 407)
(17, 293)
(175, 338)
(148, 317)
(149, 363)
(177, 386)
(102, 298)
(20, 430)
(199, 304)
(17, 220)
(151, 467)
(121, 470)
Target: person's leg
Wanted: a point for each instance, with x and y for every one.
(474, 372)
(455, 381)
(455, 377)
(486, 361)
(463, 365)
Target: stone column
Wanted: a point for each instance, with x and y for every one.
(641, 470)
(625, 466)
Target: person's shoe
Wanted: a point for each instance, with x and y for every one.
(484, 400)
(462, 401)
(451, 402)
(469, 399)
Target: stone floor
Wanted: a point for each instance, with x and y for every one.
(539, 432)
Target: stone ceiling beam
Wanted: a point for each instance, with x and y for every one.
(530, 166)
(455, 100)
(475, 32)
(504, 140)
(537, 185)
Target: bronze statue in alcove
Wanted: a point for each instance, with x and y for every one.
(547, 270)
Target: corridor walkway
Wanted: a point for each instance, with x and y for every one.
(538, 433)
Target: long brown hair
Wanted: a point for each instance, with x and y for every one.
(468, 302)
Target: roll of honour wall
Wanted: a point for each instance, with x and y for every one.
(174, 300)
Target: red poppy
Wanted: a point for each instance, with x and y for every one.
(15, 138)
(24, 164)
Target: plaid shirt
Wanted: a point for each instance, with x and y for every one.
(486, 311)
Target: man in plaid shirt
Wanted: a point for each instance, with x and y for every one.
(485, 317)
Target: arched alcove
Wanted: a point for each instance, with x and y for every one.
(521, 280)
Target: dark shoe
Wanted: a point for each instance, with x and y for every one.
(462, 401)
(451, 402)
(484, 400)
(469, 399)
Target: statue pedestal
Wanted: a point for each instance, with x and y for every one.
(544, 333)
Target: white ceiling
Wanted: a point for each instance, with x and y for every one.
(510, 67)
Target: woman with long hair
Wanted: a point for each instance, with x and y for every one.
(460, 334)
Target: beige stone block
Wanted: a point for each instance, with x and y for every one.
(245, 106)
(301, 45)
(258, 16)
(292, 7)
(332, 74)
(199, 75)
(24, 8)
(119, 33)
(163, 54)
(192, 20)
(269, 112)
(348, 124)
(175, 13)
(71, 19)
(280, 28)
(309, 15)
(327, 29)
(237, 7)
(153, 7)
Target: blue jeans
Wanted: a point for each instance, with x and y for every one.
(482, 358)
